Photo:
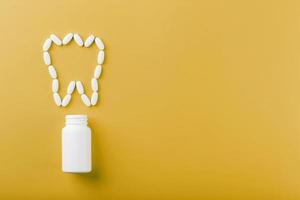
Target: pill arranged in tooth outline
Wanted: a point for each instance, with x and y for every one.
(100, 58)
(47, 44)
(94, 98)
(47, 59)
(66, 100)
(71, 87)
(67, 38)
(89, 41)
(55, 39)
(74, 84)
(52, 72)
(85, 100)
(94, 84)
(99, 43)
(79, 87)
(57, 99)
(78, 39)
(97, 71)
(55, 85)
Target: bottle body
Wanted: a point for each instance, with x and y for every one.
(76, 145)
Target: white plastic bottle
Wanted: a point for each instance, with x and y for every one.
(76, 145)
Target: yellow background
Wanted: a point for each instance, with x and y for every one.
(199, 99)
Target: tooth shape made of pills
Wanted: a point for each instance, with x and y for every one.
(55, 40)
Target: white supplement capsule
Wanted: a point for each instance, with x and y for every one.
(71, 87)
(57, 99)
(100, 57)
(94, 98)
(79, 87)
(94, 84)
(67, 38)
(97, 71)
(66, 100)
(89, 41)
(47, 59)
(52, 72)
(47, 44)
(55, 39)
(85, 100)
(78, 39)
(99, 43)
(55, 85)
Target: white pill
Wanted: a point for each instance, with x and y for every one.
(55, 85)
(94, 98)
(99, 43)
(100, 57)
(52, 72)
(47, 44)
(97, 71)
(85, 100)
(47, 59)
(66, 100)
(94, 84)
(71, 87)
(55, 39)
(79, 87)
(78, 39)
(67, 38)
(89, 41)
(57, 99)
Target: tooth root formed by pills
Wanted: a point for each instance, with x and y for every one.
(94, 84)
(55, 85)
(74, 84)
(85, 100)
(57, 99)
(66, 100)
(71, 87)
(79, 87)
(94, 98)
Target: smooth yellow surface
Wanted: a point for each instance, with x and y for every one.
(199, 99)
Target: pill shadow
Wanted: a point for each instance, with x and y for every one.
(97, 173)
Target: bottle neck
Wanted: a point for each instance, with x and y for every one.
(76, 120)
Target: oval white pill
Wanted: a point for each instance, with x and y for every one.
(47, 59)
(100, 57)
(78, 39)
(66, 100)
(67, 38)
(79, 87)
(52, 71)
(55, 85)
(97, 71)
(47, 44)
(57, 99)
(89, 41)
(55, 39)
(71, 87)
(85, 100)
(94, 84)
(99, 43)
(94, 98)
